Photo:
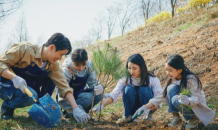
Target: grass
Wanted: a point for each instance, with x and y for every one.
(164, 106)
(184, 27)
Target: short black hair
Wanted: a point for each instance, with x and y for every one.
(60, 41)
(79, 55)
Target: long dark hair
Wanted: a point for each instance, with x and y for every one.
(139, 60)
(79, 55)
(176, 61)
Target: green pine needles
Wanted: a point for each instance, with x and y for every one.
(108, 67)
(186, 92)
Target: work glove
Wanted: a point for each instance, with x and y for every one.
(98, 89)
(80, 115)
(19, 83)
(183, 99)
(193, 101)
(96, 109)
(142, 111)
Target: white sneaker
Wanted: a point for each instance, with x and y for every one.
(175, 121)
(150, 117)
(192, 123)
(124, 120)
(147, 119)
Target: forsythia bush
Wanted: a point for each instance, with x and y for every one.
(193, 4)
(159, 17)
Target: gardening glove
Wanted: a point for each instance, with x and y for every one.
(96, 109)
(193, 101)
(19, 83)
(145, 114)
(141, 111)
(183, 99)
(80, 115)
(98, 89)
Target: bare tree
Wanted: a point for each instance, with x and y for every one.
(125, 13)
(8, 7)
(160, 5)
(146, 8)
(97, 28)
(110, 19)
(20, 33)
(41, 40)
(173, 4)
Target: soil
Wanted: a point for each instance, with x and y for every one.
(197, 44)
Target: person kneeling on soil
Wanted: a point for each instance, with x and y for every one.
(182, 79)
(37, 68)
(78, 72)
(137, 89)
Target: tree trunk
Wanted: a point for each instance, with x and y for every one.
(172, 8)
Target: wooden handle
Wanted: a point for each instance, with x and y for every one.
(27, 91)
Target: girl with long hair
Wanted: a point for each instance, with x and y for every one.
(180, 79)
(136, 89)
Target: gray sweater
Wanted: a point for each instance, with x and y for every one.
(91, 80)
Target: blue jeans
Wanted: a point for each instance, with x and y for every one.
(84, 99)
(174, 105)
(19, 99)
(133, 100)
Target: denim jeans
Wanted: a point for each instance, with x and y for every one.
(174, 105)
(84, 99)
(133, 100)
(19, 99)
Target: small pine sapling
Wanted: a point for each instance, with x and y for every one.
(185, 92)
(108, 67)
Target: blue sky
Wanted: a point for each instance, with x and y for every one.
(45, 17)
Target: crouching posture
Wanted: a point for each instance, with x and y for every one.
(181, 78)
(78, 72)
(137, 89)
(36, 67)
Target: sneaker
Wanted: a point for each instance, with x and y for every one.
(6, 112)
(192, 123)
(150, 117)
(124, 120)
(175, 121)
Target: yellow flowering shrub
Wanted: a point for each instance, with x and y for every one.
(162, 16)
(193, 4)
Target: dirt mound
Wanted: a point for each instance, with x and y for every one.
(194, 36)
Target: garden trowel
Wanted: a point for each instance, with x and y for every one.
(45, 111)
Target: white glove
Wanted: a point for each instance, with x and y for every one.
(98, 89)
(96, 109)
(80, 115)
(145, 114)
(19, 83)
(183, 99)
(193, 101)
(140, 113)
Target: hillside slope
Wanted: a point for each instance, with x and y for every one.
(193, 35)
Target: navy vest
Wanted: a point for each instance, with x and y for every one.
(32, 74)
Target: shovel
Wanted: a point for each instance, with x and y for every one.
(45, 110)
